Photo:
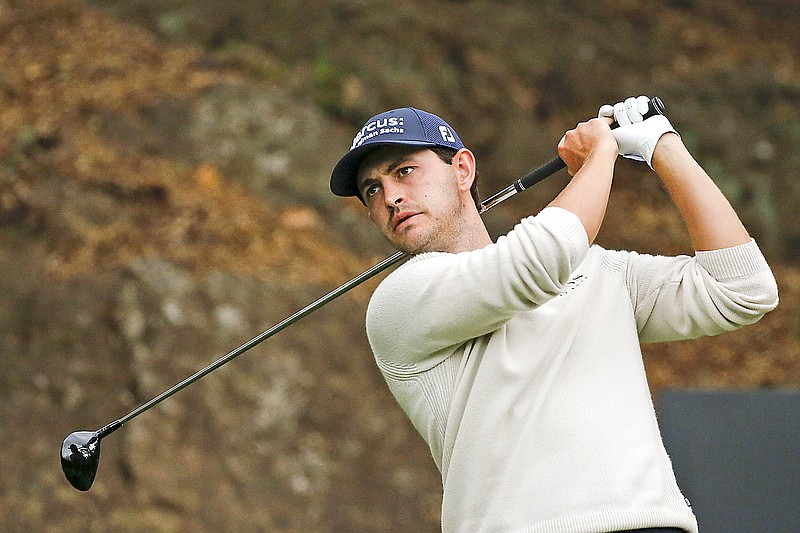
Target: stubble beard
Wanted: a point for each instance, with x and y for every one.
(440, 233)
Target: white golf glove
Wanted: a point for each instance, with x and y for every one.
(635, 137)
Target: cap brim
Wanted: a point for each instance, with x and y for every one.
(343, 177)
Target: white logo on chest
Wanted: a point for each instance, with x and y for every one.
(573, 284)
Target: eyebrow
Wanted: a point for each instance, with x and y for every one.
(399, 161)
(388, 169)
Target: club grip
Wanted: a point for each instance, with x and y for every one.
(654, 107)
(538, 174)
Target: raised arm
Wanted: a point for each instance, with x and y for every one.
(709, 217)
(590, 151)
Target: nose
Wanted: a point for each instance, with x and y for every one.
(393, 194)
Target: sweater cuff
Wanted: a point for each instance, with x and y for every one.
(735, 262)
(569, 224)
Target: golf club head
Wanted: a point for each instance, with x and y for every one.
(80, 455)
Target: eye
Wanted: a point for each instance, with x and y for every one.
(405, 171)
(370, 190)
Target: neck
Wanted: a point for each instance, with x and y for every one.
(473, 234)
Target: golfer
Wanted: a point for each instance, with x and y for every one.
(519, 360)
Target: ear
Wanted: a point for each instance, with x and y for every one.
(464, 168)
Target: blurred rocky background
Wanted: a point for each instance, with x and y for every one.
(164, 198)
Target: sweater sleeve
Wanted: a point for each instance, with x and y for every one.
(438, 300)
(688, 297)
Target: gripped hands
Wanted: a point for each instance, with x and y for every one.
(586, 139)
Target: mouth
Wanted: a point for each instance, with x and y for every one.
(401, 219)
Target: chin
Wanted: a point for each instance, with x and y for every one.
(405, 248)
(413, 242)
(408, 247)
(418, 248)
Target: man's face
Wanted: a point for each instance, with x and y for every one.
(413, 197)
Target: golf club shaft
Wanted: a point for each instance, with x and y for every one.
(525, 182)
(528, 180)
(364, 276)
(654, 107)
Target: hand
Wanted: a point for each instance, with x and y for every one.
(637, 138)
(578, 144)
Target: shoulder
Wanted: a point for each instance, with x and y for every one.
(415, 269)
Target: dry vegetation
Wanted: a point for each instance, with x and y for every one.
(138, 242)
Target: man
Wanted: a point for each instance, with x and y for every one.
(518, 361)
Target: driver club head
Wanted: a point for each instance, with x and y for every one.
(80, 455)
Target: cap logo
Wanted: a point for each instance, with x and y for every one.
(378, 127)
(447, 135)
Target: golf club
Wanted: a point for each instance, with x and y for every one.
(80, 452)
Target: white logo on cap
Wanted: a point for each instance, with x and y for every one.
(447, 135)
(378, 127)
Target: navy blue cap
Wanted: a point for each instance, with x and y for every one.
(406, 125)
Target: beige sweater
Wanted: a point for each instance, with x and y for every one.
(520, 366)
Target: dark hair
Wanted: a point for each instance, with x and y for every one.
(446, 154)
